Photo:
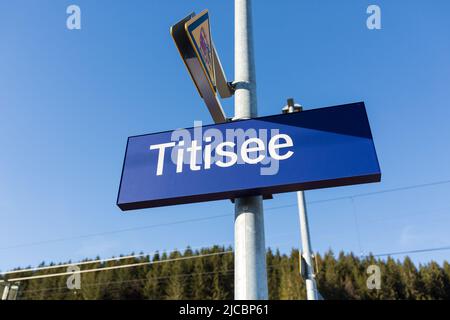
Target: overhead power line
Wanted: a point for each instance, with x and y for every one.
(219, 216)
(115, 231)
(200, 256)
(71, 264)
(205, 219)
(178, 275)
(133, 280)
(411, 251)
(366, 194)
(118, 267)
(58, 266)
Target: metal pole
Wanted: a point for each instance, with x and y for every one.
(250, 275)
(311, 287)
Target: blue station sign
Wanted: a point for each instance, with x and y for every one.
(319, 148)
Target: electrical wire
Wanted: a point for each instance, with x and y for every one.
(117, 267)
(410, 252)
(115, 231)
(170, 260)
(219, 216)
(58, 266)
(181, 275)
(204, 219)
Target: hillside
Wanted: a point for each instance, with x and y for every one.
(183, 276)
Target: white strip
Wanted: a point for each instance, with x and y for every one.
(95, 261)
(117, 267)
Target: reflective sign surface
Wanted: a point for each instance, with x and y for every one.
(318, 148)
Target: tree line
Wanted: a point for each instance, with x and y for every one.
(185, 276)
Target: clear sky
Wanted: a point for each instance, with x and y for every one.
(69, 100)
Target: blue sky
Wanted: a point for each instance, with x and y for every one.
(69, 100)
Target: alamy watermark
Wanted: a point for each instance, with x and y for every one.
(202, 147)
(73, 21)
(374, 20)
(374, 280)
(74, 280)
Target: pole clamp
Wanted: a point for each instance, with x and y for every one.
(235, 85)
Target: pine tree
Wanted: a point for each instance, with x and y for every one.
(273, 274)
(90, 287)
(344, 277)
(435, 283)
(218, 289)
(392, 285)
(188, 269)
(331, 285)
(128, 281)
(446, 268)
(176, 281)
(227, 275)
(152, 286)
(289, 277)
(199, 283)
(411, 279)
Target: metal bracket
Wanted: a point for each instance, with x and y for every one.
(240, 85)
(292, 106)
(265, 197)
(231, 87)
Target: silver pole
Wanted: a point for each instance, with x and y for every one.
(250, 275)
(311, 287)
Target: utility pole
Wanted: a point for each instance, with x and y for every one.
(311, 287)
(250, 274)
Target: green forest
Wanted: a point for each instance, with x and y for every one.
(182, 275)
